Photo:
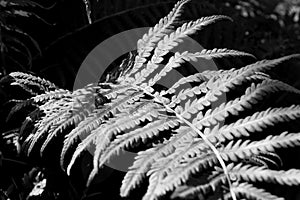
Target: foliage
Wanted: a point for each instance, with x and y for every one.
(257, 28)
(14, 42)
(264, 28)
(181, 131)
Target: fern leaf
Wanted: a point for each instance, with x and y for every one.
(204, 76)
(179, 58)
(30, 83)
(50, 119)
(161, 159)
(164, 26)
(261, 174)
(232, 152)
(211, 182)
(121, 124)
(265, 65)
(198, 77)
(162, 166)
(200, 189)
(96, 118)
(114, 90)
(266, 160)
(149, 40)
(244, 190)
(229, 81)
(170, 41)
(159, 169)
(55, 94)
(171, 180)
(130, 138)
(105, 131)
(202, 88)
(130, 110)
(31, 80)
(71, 118)
(145, 159)
(258, 121)
(250, 192)
(57, 111)
(127, 139)
(283, 140)
(137, 171)
(253, 93)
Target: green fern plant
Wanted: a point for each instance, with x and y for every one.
(109, 117)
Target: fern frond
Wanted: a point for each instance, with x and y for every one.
(114, 90)
(242, 190)
(96, 118)
(227, 82)
(83, 128)
(179, 58)
(261, 174)
(257, 122)
(207, 79)
(204, 76)
(252, 95)
(160, 168)
(194, 129)
(74, 117)
(128, 122)
(58, 111)
(119, 123)
(161, 159)
(172, 40)
(164, 26)
(24, 79)
(149, 40)
(164, 165)
(142, 134)
(137, 171)
(268, 160)
(198, 77)
(145, 159)
(247, 173)
(41, 98)
(248, 191)
(126, 110)
(130, 138)
(264, 65)
(231, 152)
(184, 94)
(212, 181)
(239, 150)
(47, 121)
(55, 94)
